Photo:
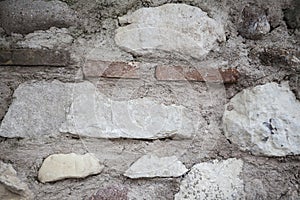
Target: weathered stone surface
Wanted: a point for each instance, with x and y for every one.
(254, 22)
(117, 192)
(93, 114)
(34, 57)
(25, 16)
(5, 96)
(110, 69)
(213, 180)
(61, 166)
(171, 28)
(11, 187)
(150, 166)
(264, 120)
(37, 109)
(181, 73)
(292, 15)
(53, 38)
(44, 108)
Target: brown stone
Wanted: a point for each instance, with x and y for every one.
(180, 73)
(34, 57)
(109, 69)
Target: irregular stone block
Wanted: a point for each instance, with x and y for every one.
(34, 57)
(180, 73)
(213, 180)
(61, 166)
(53, 38)
(292, 15)
(179, 28)
(38, 108)
(109, 69)
(264, 120)
(254, 22)
(25, 16)
(150, 166)
(11, 187)
(93, 114)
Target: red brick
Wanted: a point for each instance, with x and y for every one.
(181, 73)
(110, 69)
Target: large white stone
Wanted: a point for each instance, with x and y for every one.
(11, 187)
(62, 166)
(264, 120)
(150, 166)
(213, 180)
(48, 108)
(93, 114)
(179, 28)
(37, 109)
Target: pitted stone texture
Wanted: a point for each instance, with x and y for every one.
(25, 16)
(93, 114)
(264, 120)
(37, 109)
(11, 187)
(150, 166)
(179, 28)
(213, 180)
(61, 166)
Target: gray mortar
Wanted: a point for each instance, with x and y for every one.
(264, 178)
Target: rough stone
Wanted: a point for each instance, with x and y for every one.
(264, 120)
(5, 96)
(35, 14)
(150, 166)
(254, 22)
(117, 192)
(292, 15)
(179, 28)
(61, 166)
(180, 73)
(37, 109)
(213, 180)
(11, 187)
(53, 38)
(34, 57)
(108, 69)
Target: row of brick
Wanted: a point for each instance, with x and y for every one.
(119, 69)
(115, 69)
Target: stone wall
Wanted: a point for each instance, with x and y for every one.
(150, 99)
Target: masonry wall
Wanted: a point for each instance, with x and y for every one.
(149, 99)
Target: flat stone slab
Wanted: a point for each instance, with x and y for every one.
(25, 16)
(172, 28)
(51, 108)
(61, 166)
(150, 166)
(213, 180)
(186, 73)
(92, 114)
(34, 57)
(11, 187)
(264, 120)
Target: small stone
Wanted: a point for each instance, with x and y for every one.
(213, 180)
(25, 16)
(61, 166)
(110, 69)
(150, 166)
(11, 187)
(265, 120)
(181, 73)
(34, 57)
(254, 23)
(171, 28)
